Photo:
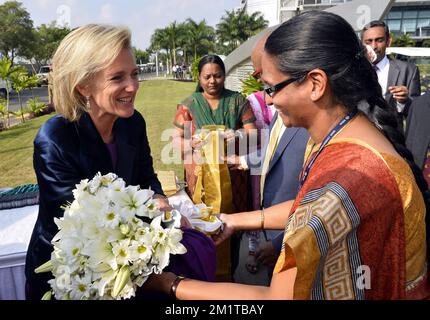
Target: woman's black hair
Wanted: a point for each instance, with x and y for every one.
(323, 40)
(210, 58)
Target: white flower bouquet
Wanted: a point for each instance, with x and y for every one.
(111, 238)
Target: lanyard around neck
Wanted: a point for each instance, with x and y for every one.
(327, 139)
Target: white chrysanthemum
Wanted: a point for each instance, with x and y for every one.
(63, 281)
(81, 287)
(144, 235)
(140, 251)
(110, 217)
(71, 248)
(121, 250)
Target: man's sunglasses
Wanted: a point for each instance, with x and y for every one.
(270, 91)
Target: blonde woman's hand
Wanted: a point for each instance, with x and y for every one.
(162, 202)
(185, 223)
(160, 282)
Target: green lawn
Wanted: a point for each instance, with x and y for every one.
(157, 102)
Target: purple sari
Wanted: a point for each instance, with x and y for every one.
(198, 263)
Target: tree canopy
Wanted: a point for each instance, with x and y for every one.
(177, 43)
(16, 30)
(48, 38)
(236, 27)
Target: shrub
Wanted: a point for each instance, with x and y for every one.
(35, 107)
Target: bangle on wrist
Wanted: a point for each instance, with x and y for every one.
(262, 219)
(174, 285)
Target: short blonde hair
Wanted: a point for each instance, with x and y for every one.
(82, 54)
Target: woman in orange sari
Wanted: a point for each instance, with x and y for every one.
(357, 228)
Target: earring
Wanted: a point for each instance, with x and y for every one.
(87, 104)
(313, 95)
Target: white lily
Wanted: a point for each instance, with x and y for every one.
(103, 250)
(100, 252)
(106, 280)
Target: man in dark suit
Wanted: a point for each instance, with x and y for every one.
(418, 140)
(418, 133)
(399, 80)
(281, 175)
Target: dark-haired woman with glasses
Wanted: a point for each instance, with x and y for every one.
(357, 228)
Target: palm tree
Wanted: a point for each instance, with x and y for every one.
(183, 40)
(160, 41)
(201, 37)
(173, 33)
(237, 26)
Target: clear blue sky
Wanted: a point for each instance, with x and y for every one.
(141, 16)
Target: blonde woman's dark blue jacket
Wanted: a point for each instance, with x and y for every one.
(65, 153)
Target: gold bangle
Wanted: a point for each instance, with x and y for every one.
(262, 219)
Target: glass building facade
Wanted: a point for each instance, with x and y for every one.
(412, 20)
(322, 2)
(405, 17)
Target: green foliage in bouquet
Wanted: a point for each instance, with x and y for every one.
(250, 85)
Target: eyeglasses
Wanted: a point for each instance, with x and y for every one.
(273, 89)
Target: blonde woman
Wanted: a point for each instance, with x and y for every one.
(95, 81)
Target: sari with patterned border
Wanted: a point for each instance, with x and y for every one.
(357, 228)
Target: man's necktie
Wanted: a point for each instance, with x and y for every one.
(270, 151)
